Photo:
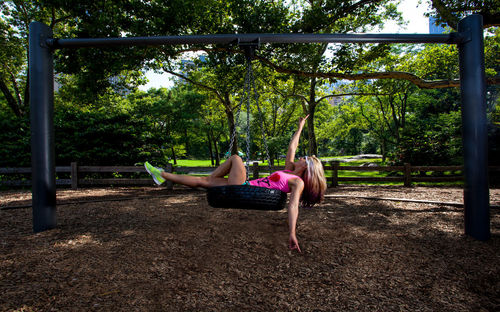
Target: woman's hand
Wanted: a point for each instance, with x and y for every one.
(293, 243)
(302, 121)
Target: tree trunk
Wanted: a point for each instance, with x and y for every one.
(209, 137)
(313, 148)
(27, 86)
(11, 101)
(217, 156)
(231, 122)
(186, 141)
(383, 149)
(173, 155)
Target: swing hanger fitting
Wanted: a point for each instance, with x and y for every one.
(249, 47)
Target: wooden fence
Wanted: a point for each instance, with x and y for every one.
(78, 176)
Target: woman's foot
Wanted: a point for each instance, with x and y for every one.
(154, 172)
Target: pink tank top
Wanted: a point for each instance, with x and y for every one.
(278, 181)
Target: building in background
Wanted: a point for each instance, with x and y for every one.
(433, 28)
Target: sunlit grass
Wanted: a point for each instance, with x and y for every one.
(194, 163)
(341, 173)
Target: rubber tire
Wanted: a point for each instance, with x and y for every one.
(246, 197)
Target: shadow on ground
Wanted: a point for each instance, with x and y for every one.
(176, 253)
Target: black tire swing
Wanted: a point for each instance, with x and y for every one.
(247, 196)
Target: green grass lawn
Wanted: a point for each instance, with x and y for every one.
(193, 163)
(328, 173)
(207, 163)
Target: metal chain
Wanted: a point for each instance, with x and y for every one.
(238, 110)
(244, 99)
(256, 95)
(247, 95)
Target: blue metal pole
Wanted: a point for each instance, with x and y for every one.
(475, 133)
(451, 38)
(41, 84)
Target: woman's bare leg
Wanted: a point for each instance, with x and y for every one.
(233, 168)
(185, 179)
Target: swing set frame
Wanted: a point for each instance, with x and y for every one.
(469, 40)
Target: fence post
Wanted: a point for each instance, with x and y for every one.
(255, 171)
(170, 169)
(335, 173)
(74, 175)
(407, 175)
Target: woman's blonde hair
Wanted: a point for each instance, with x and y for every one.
(314, 182)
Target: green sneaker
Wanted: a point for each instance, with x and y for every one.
(154, 172)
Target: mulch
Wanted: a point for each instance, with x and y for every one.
(150, 249)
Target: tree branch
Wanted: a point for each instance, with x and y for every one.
(490, 16)
(490, 19)
(55, 20)
(16, 90)
(349, 94)
(195, 83)
(419, 82)
(11, 101)
(289, 95)
(345, 12)
(445, 13)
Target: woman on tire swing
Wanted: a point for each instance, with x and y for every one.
(304, 179)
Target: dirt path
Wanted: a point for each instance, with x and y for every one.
(169, 251)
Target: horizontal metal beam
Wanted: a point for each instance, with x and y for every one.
(452, 38)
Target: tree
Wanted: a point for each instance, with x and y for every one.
(14, 26)
(450, 12)
(308, 61)
(11, 55)
(223, 69)
(213, 125)
(146, 18)
(171, 114)
(386, 114)
(275, 117)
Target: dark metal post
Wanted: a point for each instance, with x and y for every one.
(41, 84)
(475, 135)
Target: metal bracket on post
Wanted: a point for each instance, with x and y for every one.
(460, 37)
(464, 36)
(43, 41)
(249, 47)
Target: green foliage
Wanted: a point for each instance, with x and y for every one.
(436, 61)
(449, 12)
(174, 120)
(97, 138)
(345, 131)
(433, 141)
(101, 118)
(15, 138)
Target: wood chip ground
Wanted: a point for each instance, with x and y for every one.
(159, 250)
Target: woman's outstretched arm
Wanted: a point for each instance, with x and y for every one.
(292, 147)
(296, 186)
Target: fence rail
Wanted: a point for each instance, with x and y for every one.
(78, 175)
